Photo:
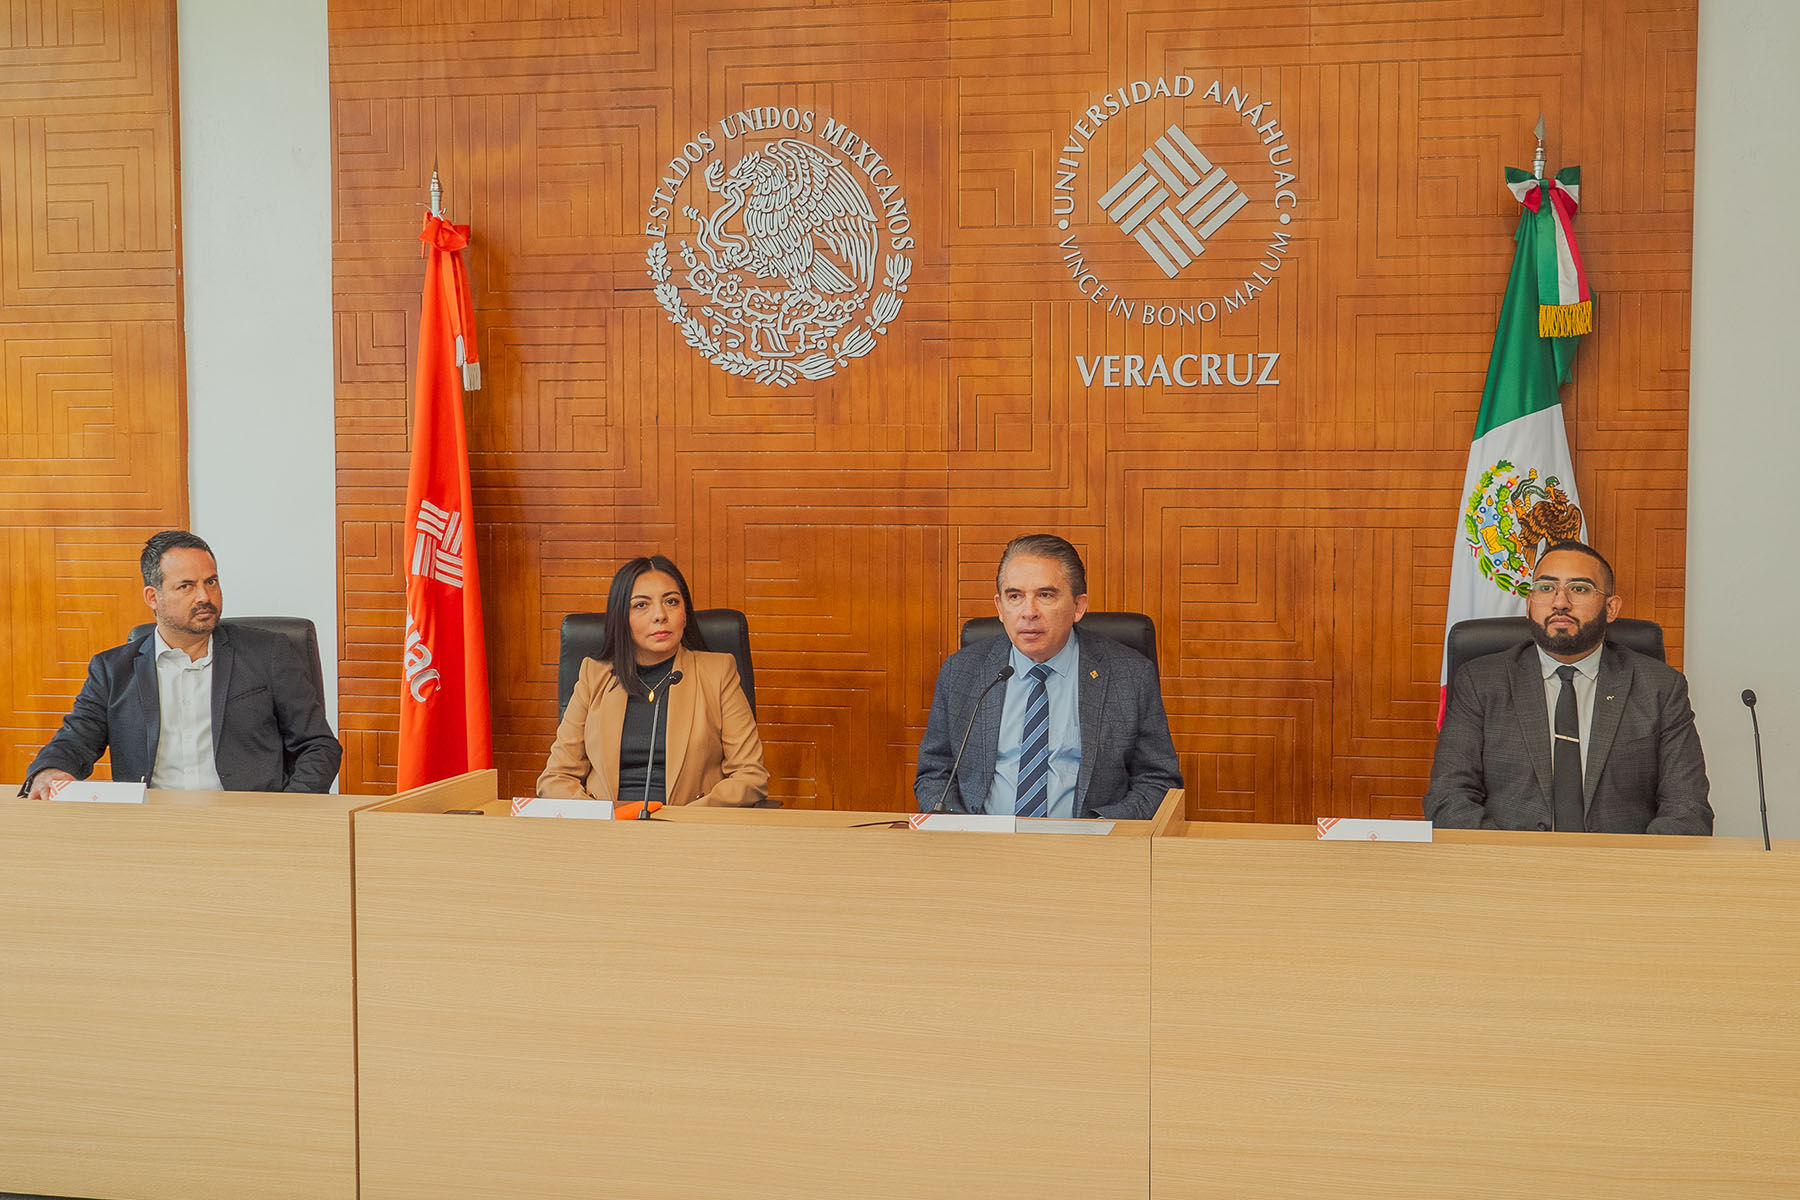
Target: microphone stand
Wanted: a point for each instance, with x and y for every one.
(1005, 674)
(655, 712)
(1749, 699)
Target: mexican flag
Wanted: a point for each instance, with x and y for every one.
(1519, 490)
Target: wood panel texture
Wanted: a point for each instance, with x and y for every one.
(1290, 530)
(796, 1000)
(93, 445)
(179, 998)
(1497, 1015)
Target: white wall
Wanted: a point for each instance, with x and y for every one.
(1743, 580)
(256, 251)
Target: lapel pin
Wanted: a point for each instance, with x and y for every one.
(1096, 675)
(1609, 697)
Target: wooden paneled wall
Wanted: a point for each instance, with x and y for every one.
(93, 442)
(1292, 539)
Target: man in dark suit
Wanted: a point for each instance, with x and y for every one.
(1571, 732)
(194, 704)
(1078, 730)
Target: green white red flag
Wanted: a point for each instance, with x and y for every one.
(1519, 489)
(444, 725)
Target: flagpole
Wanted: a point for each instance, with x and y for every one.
(437, 191)
(1537, 160)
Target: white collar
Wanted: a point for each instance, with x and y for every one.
(1588, 665)
(162, 648)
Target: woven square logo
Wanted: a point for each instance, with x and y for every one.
(1172, 200)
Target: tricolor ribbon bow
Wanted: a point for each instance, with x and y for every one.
(1565, 305)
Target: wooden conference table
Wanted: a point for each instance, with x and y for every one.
(177, 1010)
(780, 1004)
(755, 1003)
(1495, 1015)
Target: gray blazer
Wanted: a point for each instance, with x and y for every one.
(268, 723)
(1127, 758)
(1645, 772)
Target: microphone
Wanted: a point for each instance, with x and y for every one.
(1005, 674)
(1749, 698)
(655, 712)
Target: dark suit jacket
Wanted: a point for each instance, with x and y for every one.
(268, 724)
(1127, 758)
(1645, 772)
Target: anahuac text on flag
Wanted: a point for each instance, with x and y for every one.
(444, 716)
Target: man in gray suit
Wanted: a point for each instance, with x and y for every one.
(193, 704)
(1079, 729)
(1570, 732)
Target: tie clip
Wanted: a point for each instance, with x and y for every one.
(1563, 737)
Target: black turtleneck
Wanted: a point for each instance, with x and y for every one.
(636, 754)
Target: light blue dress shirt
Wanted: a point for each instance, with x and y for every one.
(1065, 732)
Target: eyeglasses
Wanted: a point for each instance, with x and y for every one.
(1545, 589)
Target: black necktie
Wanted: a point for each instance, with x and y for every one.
(1565, 768)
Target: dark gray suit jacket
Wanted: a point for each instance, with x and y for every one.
(268, 723)
(1645, 772)
(1127, 758)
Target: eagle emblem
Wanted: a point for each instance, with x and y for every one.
(1509, 518)
(782, 266)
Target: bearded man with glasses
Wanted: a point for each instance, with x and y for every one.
(1570, 732)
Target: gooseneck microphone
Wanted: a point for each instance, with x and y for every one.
(1005, 674)
(655, 712)
(1762, 796)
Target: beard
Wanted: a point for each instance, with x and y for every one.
(198, 622)
(1577, 641)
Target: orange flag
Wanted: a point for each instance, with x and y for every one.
(444, 727)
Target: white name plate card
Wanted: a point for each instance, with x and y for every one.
(1064, 825)
(545, 806)
(1364, 829)
(963, 823)
(92, 792)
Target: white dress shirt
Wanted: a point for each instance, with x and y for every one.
(1587, 677)
(184, 748)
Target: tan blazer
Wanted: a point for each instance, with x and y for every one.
(714, 754)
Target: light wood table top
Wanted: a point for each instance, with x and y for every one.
(1493, 1014)
(176, 998)
(756, 1002)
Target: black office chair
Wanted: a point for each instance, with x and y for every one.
(1127, 628)
(1491, 635)
(722, 629)
(298, 630)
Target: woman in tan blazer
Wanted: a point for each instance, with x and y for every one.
(704, 749)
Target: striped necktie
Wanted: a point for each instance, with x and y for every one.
(1034, 751)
